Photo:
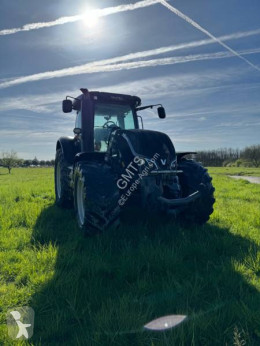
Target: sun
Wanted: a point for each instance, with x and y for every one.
(90, 18)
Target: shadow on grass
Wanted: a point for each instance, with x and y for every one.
(107, 287)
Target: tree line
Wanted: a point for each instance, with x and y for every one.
(10, 160)
(248, 157)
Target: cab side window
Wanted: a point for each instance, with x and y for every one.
(78, 120)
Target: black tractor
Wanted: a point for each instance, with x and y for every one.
(112, 165)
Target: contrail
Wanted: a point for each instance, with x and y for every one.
(165, 61)
(197, 26)
(35, 26)
(138, 55)
(70, 19)
(173, 48)
(100, 66)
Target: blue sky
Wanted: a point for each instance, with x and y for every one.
(211, 96)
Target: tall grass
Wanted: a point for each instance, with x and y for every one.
(102, 290)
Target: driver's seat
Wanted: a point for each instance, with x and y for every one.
(101, 134)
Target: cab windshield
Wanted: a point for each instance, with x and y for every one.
(107, 117)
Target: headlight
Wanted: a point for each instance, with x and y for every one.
(151, 163)
(145, 163)
(173, 165)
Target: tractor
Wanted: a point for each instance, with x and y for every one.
(112, 164)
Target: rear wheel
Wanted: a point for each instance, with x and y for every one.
(195, 177)
(96, 197)
(63, 190)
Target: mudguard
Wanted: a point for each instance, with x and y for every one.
(90, 157)
(69, 147)
(184, 153)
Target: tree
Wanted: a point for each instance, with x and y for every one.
(42, 163)
(35, 161)
(10, 160)
(252, 153)
(27, 163)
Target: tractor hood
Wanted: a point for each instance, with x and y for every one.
(144, 143)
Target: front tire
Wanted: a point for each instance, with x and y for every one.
(63, 190)
(195, 177)
(96, 198)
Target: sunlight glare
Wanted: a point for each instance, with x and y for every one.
(90, 18)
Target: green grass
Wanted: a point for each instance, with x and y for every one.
(250, 171)
(102, 290)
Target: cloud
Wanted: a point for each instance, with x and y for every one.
(239, 124)
(149, 89)
(70, 19)
(104, 66)
(34, 103)
(200, 28)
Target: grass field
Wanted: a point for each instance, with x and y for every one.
(102, 290)
(250, 171)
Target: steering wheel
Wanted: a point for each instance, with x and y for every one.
(112, 124)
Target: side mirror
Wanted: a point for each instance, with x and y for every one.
(77, 131)
(161, 112)
(67, 106)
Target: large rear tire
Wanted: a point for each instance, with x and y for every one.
(63, 190)
(195, 177)
(96, 197)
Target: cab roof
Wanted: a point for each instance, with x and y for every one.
(105, 97)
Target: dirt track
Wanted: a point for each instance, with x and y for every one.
(255, 180)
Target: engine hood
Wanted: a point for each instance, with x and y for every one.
(146, 143)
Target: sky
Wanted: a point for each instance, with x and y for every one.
(200, 59)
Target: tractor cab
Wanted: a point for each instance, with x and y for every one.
(108, 117)
(100, 113)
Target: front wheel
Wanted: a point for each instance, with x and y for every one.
(195, 177)
(96, 197)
